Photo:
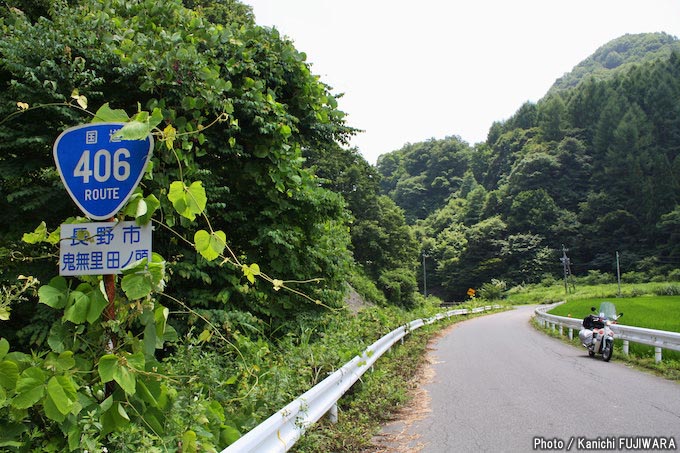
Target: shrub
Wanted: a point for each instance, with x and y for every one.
(596, 277)
(398, 285)
(633, 277)
(548, 280)
(674, 275)
(667, 290)
(492, 290)
(366, 288)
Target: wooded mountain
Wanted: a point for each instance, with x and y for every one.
(619, 54)
(594, 167)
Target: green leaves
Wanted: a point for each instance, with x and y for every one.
(79, 98)
(55, 294)
(188, 201)
(251, 271)
(142, 208)
(48, 383)
(141, 278)
(84, 304)
(106, 114)
(210, 245)
(121, 369)
(9, 374)
(140, 126)
(30, 388)
(62, 395)
(40, 234)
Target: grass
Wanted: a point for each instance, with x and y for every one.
(650, 312)
(545, 294)
(376, 397)
(371, 401)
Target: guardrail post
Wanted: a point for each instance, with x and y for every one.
(571, 334)
(561, 330)
(332, 413)
(657, 354)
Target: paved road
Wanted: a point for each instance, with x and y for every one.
(498, 384)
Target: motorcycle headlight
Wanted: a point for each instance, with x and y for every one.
(609, 323)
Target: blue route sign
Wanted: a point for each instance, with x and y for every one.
(100, 172)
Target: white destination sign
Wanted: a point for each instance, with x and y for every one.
(102, 248)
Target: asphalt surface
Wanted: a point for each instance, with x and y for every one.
(499, 384)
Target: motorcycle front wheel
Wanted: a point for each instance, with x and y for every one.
(591, 353)
(607, 352)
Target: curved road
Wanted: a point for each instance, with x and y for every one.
(499, 383)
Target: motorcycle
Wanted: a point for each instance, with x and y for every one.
(597, 335)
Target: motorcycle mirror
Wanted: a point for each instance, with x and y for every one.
(620, 314)
(592, 309)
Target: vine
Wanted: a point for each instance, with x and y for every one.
(73, 384)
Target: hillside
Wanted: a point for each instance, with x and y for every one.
(618, 55)
(594, 168)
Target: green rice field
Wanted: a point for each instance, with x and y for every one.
(651, 312)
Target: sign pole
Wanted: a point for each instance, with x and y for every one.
(110, 288)
(100, 170)
(110, 315)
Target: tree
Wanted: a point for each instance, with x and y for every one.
(192, 71)
(532, 211)
(552, 118)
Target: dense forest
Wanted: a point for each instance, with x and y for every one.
(594, 168)
(264, 217)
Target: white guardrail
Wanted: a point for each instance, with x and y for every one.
(659, 339)
(280, 431)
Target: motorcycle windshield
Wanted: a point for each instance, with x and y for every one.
(608, 309)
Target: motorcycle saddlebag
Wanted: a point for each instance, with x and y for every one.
(586, 336)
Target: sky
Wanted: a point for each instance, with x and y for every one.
(411, 71)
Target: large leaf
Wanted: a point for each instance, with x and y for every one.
(38, 235)
(140, 126)
(134, 130)
(106, 114)
(30, 388)
(125, 378)
(98, 303)
(78, 307)
(9, 374)
(137, 285)
(106, 367)
(188, 201)
(143, 277)
(229, 435)
(142, 209)
(62, 391)
(4, 348)
(160, 320)
(51, 410)
(55, 294)
(121, 370)
(210, 245)
(60, 363)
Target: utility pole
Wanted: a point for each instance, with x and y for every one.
(565, 268)
(618, 272)
(424, 276)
